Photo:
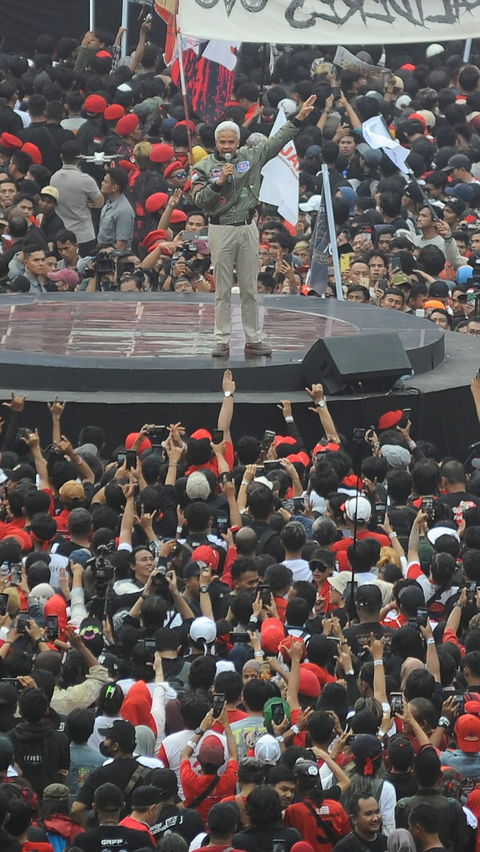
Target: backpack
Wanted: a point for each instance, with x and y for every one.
(373, 787)
(265, 537)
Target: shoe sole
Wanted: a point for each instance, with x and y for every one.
(255, 352)
(221, 354)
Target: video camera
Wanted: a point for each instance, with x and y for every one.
(102, 568)
(195, 264)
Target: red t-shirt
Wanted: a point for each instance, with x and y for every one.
(299, 816)
(213, 463)
(344, 543)
(130, 822)
(233, 716)
(194, 785)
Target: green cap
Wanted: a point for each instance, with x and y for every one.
(268, 712)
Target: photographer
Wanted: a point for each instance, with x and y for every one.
(104, 266)
(192, 263)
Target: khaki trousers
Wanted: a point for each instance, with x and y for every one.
(235, 247)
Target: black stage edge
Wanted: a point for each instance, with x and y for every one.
(443, 410)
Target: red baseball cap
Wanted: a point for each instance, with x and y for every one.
(211, 751)
(324, 448)
(132, 437)
(467, 732)
(161, 153)
(272, 633)
(286, 644)
(301, 457)
(309, 684)
(200, 434)
(390, 419)
(190, 124)
(206, 554)
(96, 104)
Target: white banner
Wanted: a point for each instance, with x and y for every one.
(280, 177)
(330, 21)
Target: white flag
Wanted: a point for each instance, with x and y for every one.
(280, 177)
(376, 135)
(221, 52)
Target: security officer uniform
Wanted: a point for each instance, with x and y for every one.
(232, 233)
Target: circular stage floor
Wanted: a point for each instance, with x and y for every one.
(161, 342)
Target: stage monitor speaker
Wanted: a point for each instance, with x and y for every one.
(360, 363)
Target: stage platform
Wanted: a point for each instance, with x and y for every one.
(124, 359)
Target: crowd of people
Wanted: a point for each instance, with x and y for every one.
(263, 647)
(250, 647)
(98, 163)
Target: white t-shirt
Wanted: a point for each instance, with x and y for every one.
(300, 569)
(172, 748)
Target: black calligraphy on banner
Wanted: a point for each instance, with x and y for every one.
(338, 12)
(320, 253)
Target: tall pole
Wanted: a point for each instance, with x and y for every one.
(327, 197)
(183, 87)
(124, 24)
(91, 25)
(467, 49)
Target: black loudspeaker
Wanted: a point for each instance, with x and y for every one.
(358, 363)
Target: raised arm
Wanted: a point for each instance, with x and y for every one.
(414, 539)
(295, 653)
(226, 411)
(320, 407)
(85, 472)
(475, 389)
(126, 527)
(140, 48)
(56, 409)
(433, 663)
(33, 442)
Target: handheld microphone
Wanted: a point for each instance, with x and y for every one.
(228, 158)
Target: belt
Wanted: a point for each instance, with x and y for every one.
(215, 220)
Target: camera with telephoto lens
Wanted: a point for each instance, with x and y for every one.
(102, 568)
(159, 582)
(193, 263)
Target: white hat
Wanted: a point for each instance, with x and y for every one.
(203, 629)
(433, 50)
(41, 593)
(288, 105)
(267, 749)
(436, 532)
(403, 101)
(339, 581)
(312, 204)
(224, 666)
(197, 486)
(264, 481)
(359, 506)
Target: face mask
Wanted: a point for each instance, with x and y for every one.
(106, 751)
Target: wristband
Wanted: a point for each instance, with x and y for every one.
(192, 745)
(443, 722)
(244, 482)
(258, 654)
(378, 662)
(350, 672)
(295, 729)
(458, 605)
(412, 445)
(179, 529)
(392, 535)
(431, 641)
(253, 618)
(289, 418)
(280, 739)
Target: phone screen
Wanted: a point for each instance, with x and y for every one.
(218, 702)
(396, 703)
(217, 436)
(52, 627)
(131, 459)
(3, 604)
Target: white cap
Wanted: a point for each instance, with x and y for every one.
(203, 629)
(312, 204)
(360, 507)
(267, 749)
(433, 50)
(436, 532)
(403, 101)
(197, 486)
(288, 105)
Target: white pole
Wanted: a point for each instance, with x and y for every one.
(467, 49)
(92, 16)
(124, 24)
(327, 195)
(183, 86)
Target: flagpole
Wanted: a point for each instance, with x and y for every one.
(125, 25)
(92, 16)
(327, 197)
(467, 50)
(183, 88)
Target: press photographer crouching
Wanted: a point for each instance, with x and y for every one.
(189, 270)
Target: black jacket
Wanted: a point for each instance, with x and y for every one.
(40, 752)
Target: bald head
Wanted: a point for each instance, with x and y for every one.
(246, 542)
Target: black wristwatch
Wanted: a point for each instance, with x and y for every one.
(198, 732)
(203, 589)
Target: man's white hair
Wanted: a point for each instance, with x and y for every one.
(227, 125)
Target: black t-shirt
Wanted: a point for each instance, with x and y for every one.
(354, 843)
(404, 783)
(184, 821)
(113, 838)
(460, 501)
(359, 635)
(253, 839)
(118, 772)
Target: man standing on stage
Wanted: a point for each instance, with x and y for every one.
(226, 186)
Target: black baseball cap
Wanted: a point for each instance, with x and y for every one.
(368, 595)
(145, 796)
(193, 569)
(121, 732)
(326, 558)
(165, 780)
(108, 797)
